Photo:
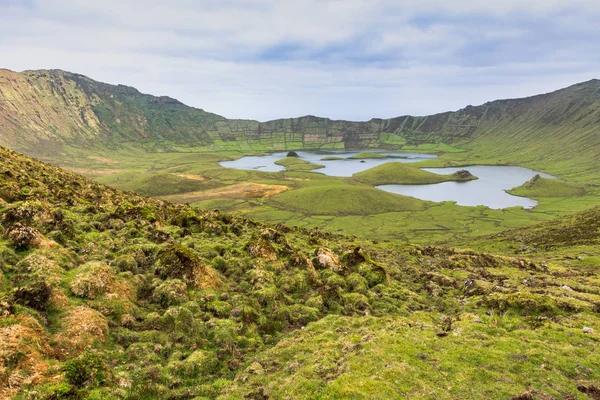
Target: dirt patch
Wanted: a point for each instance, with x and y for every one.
(191, 177)
(238, 190)
(104, 160)
(95, 172)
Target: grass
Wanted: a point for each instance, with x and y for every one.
(539, 187)
(298, 164)
(382, 358)
(145, 299)
(434, 222)
(368, 154)
(344, 199)
(332, 158)
(405, 174)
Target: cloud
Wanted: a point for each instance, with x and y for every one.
(350, 59)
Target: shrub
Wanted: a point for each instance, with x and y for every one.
(297, 314)
(355, 302)
(171, 292)
(86, 371)
(94, 279)
(23, 236)
(176, 262)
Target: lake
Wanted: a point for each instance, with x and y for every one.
(346, 167)
(488, 190)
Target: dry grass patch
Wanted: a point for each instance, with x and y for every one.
(238, 190)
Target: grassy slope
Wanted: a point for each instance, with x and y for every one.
(538, 187)
(403, 174)
(144, 299)
(344, 199)
(385, 358)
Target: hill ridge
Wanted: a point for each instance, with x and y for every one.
(46, 113)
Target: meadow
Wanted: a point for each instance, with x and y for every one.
(300, 196)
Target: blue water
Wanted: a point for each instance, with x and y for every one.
(346, 167)
(489, 190)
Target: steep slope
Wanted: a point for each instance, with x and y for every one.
(41, 111)
(106, 294)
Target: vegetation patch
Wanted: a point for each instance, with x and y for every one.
(538, 187)
(294, 163)
(345, 199)
(368, 154)
(397, 173)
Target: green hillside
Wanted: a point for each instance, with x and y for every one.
(106, 294)
(48, 113)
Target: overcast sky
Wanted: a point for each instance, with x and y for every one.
(345, 59)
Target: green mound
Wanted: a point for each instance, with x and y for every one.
(538, 187)
(343, 199)
(405, 174)
(332, 158)
(293, 163)
(368, 154)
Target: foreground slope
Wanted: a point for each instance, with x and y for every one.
(106, 294)
(45, 112)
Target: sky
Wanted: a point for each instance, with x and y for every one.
(343, 59)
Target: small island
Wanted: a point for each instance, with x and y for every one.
(332, 158)
(538, 187)
(397, 173)
(368, 154)
(294, 163)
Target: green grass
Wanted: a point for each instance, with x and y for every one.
(433, 223)
(539, 187)
(368, 154)
(188, 303)
(344, 199)
(404, 174)
(332, 158)
(392, 358)
(297, 164)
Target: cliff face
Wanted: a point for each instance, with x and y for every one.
(41, 111)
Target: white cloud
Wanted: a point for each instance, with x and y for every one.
(352, 59)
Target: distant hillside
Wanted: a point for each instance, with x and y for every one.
(41, 112)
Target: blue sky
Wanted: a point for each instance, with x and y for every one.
(345, 59)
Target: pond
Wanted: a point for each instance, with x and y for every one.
(345, 168)
(489, 190)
